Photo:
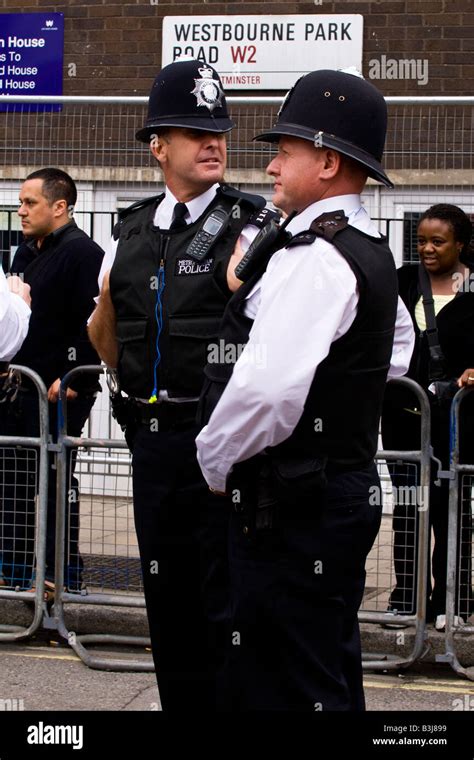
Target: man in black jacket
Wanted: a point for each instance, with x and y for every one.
(61, 264)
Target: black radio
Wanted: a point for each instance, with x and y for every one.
(271, 238)
(214, 225)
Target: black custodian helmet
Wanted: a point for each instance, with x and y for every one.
(338, 110)
(186, 93)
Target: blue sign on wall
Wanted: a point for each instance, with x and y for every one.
(31, 57)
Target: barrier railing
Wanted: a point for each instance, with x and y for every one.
(420, 516)
(23, 496)
(107, 554)
(459, 570)
(106, 592)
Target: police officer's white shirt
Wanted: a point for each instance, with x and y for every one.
(163, 218)
(14, 319)
(306, 300)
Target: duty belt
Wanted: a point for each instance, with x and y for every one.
(170, 416)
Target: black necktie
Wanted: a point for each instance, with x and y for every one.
(180, 211)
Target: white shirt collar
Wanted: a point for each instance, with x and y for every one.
(196, 207)
(350, 204)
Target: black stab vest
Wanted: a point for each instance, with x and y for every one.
(193, 300)
(342, 410)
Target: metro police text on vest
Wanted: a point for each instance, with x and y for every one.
(189, 266)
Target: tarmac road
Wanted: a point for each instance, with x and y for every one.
(40, 676)
(48, 678)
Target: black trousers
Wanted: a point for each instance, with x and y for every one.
(182, 535)
(296, 586)
(19, 487)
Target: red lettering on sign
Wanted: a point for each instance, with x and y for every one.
(240, 53)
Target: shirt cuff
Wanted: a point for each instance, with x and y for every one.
(214, 479)
(215, 459)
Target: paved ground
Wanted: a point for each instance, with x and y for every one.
(45, 674)
(53, 687)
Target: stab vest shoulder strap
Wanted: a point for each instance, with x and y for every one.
(256, 202)
(259, 218)
(137, 206)
(325, 226)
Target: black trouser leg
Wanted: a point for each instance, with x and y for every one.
(182, 530)
(296, 589)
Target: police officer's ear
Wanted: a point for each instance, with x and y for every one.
(158, 144)
(347, 171)
(332, 163)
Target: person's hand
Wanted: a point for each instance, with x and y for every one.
(217, 493)
(232, 282)
(467, 379)
(53, 392)
(16, 285)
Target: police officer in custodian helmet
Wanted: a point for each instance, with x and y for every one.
(157, 318)
(295, 433)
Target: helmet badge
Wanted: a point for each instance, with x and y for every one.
(208, 91)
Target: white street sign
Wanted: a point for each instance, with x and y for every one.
(265, 52)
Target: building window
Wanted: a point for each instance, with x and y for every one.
(11, 234)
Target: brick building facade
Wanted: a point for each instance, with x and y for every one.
(116, 47)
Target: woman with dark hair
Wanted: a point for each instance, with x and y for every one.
(446, 270)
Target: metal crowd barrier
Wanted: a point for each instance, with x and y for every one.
(107, 554)
(23, 503)
(101, 589)
(379, 563)
(459, 570)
